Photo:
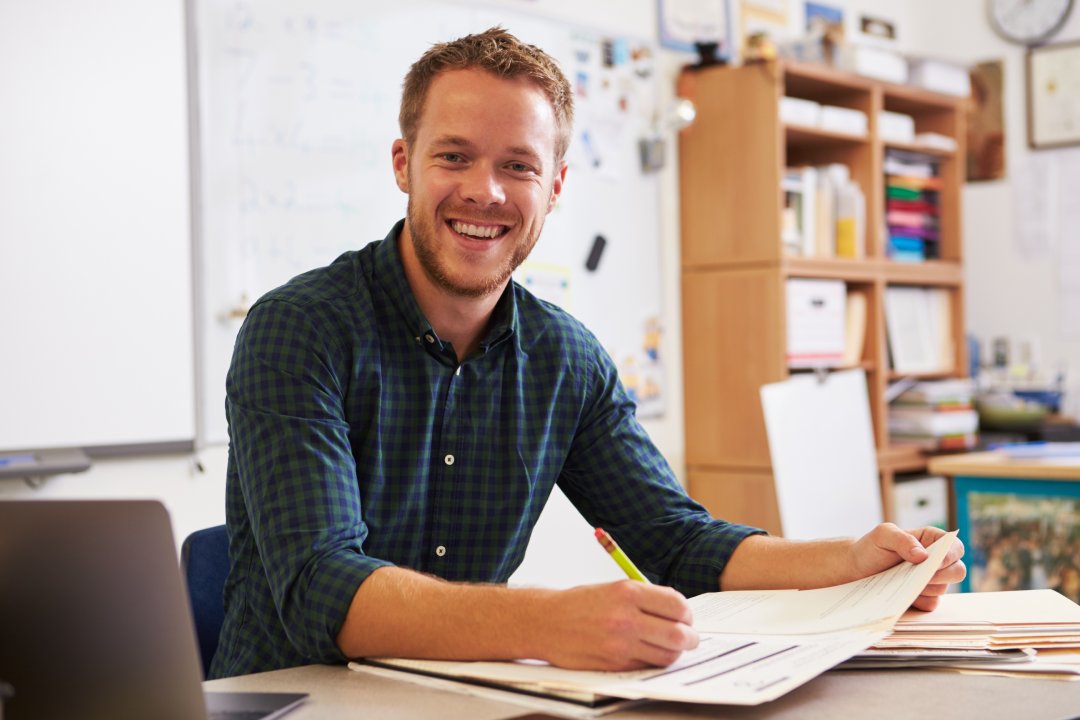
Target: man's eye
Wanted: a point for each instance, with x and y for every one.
(520, 167)
(452, 157)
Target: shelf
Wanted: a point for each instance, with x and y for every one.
(798, 136)
(893, 376)
(938, 273)
(901, 459)
(735, 268)
(850, 269)
(920, 148)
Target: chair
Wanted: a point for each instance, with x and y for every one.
(204, 559)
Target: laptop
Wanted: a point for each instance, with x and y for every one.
(95, 621)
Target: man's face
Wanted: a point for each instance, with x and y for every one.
(481, 176)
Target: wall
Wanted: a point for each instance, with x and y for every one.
(1011, 293)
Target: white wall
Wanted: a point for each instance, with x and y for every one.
(1010, 293)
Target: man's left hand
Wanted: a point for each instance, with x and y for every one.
(886, 545)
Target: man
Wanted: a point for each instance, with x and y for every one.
(399, 418)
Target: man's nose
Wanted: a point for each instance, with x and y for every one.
(483, 186)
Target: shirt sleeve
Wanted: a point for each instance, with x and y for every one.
(617, 478)
(290, 445)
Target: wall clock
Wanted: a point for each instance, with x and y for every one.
(1028, 22)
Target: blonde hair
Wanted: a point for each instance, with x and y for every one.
(501, 54)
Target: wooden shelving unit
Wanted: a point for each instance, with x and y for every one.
(734, 267)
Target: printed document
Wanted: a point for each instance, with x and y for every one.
(755, 646)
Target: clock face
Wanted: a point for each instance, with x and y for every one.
(1028, 21)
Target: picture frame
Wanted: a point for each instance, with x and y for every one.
(1019, 534)
(1053, 95)
(684, 23)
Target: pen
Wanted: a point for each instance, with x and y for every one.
(619, 556)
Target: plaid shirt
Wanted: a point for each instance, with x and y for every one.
(357, 441)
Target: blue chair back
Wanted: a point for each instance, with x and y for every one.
(204, 558)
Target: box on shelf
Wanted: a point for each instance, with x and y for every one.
(921, 502)
(842, 119)
(879, 63)
(815, 323)
(799, 111)
(940, 76)
(896, 127)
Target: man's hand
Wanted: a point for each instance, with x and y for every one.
(886, 545)
(624, 625)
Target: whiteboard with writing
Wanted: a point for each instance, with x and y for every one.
(297, 109)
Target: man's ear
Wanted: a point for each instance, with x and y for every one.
(556, 185)
(399, 151)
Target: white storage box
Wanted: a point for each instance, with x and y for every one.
(940, 76)
(896, 127)
(798, 111)
(842, 119)
(876, 63)
(921, 502)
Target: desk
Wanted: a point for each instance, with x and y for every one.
(338, 693)
(1018, 518)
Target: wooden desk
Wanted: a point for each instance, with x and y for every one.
(338, 693)
(1018, 518)
(999, 465)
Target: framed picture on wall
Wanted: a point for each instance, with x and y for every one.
(686, 24)
(1053, 95)
(1020, 534)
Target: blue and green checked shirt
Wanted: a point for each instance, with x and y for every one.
(357, 441)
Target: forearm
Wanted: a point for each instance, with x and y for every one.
(402, 613)
(768, 563)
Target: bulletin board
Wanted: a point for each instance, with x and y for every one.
(295, 112)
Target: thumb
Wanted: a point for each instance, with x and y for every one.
(913, 551)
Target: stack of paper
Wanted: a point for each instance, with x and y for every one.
(1020, 631)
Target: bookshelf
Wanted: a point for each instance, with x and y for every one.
(735, 266)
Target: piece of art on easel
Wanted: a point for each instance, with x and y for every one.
(986, 122)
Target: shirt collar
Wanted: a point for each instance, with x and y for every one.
(390, 275)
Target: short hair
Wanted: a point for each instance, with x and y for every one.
(498, 52)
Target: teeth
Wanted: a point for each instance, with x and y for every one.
(488, 231)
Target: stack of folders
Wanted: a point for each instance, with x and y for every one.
(824, 212)
(1029, 633)
(935, 415)
(912, 210)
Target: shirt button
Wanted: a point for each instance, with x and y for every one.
(441, 550)
(449, 459)
(430, 338)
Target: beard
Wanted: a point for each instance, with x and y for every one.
(463, 284)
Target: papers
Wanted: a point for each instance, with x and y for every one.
(988, 632)
(781, 639)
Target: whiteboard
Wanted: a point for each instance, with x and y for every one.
(96, 338)
(821, 443)
(297, 110)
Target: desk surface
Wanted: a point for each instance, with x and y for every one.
(998, 464)
(338, 693)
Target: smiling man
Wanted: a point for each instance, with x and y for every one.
(399, 418)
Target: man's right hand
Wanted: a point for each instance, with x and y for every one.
(624, 625)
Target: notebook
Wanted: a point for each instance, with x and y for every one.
(95, 621)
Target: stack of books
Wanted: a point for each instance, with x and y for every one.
(912, 212)
(935, 415)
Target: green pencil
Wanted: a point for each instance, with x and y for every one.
(619, 556)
